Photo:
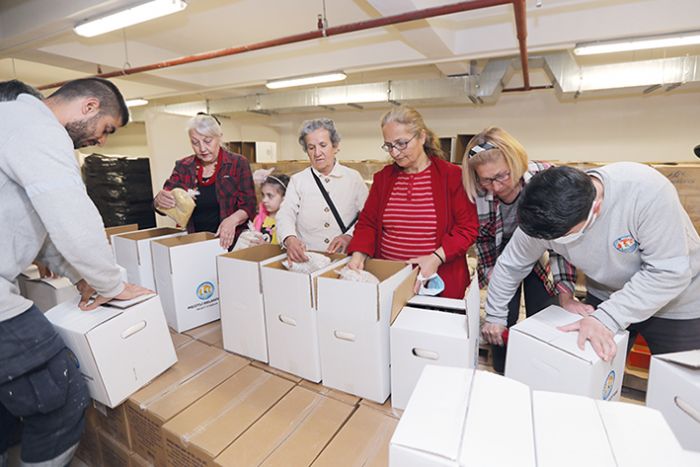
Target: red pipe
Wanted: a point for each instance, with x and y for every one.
(521, 28)
(334, 31)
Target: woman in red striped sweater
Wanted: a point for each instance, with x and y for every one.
(417, 210)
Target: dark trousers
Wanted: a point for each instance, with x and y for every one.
(42, 395)
(662, 335)
(536, 298)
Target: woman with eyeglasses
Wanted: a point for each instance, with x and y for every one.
(226, 198)
(417, 210)
(495, 170)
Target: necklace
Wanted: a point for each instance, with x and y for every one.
(200, 172)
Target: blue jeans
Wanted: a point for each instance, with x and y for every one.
(42, 396)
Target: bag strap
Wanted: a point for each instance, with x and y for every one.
(330, 204)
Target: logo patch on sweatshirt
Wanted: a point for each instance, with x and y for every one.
(626, 244)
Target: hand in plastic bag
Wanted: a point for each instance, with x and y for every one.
(249, 238)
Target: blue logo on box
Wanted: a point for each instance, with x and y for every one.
(205, 290)
(608, 386)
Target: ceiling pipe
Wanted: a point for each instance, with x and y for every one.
(518, 5)
(521, 29)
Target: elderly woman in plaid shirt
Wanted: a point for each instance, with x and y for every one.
(226, 198)
(495, 170)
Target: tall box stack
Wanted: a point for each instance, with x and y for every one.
(547, 359)
(290, 318)
(185, 273)
(353, 327)
(686, 179)
(435, 331)
(132, 251)
(241, 299)
(674, 389)
(120, 346)
(121, 189)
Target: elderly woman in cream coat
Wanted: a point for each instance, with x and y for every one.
(306, 220)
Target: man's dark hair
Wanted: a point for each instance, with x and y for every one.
(111, 99)
(10, 90)
(554, 201)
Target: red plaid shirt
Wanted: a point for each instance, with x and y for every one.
(489, 243)
(234, 184)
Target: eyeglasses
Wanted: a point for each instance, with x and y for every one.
(399, 145)
(500, 178)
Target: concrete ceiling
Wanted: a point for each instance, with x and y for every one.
(37, 43)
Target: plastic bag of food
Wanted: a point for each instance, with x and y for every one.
(357, 276)
(316, 261)
(184, 206)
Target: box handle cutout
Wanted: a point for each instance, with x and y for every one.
(691, 411)
(427, 354)
(346, 336)
(287, 320)
(130, 331)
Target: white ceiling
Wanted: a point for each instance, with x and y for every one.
(37, 43)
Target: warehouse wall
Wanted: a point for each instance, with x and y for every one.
(647, 128)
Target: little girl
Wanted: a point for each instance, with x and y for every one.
(273, 189)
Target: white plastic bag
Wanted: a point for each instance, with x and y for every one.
(357, 276)
(249, 238)
(316, 261)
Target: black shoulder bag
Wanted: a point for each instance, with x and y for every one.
(330, 204)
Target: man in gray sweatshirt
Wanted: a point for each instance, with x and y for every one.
(46, 213)
(623, 225)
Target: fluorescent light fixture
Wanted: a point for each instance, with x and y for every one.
(136, 102)
(306, 80)
(642, 43)
(130, 16)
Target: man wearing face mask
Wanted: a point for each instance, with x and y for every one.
(46, 212)
(623, 225)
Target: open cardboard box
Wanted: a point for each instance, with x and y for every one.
(290, 317)
(45, 292)
(185, 272)
(674, 389)
(132, 251)
(241, 299)
(111, 342)
(200, 368)
(353, 327)
(548, 359)
(436, 331)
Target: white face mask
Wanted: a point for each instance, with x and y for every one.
(572, 237)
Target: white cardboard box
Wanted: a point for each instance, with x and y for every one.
(45, 292)
(119, 349)
(548, 359)
(132, 251)
(241, 299)
(185, 272)
(674, 389)
(465, 417)
(353, 327)
(579, 431)
(429, 330)
(290, 318)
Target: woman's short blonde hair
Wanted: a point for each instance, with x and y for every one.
(205, 125)
(504, 145)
